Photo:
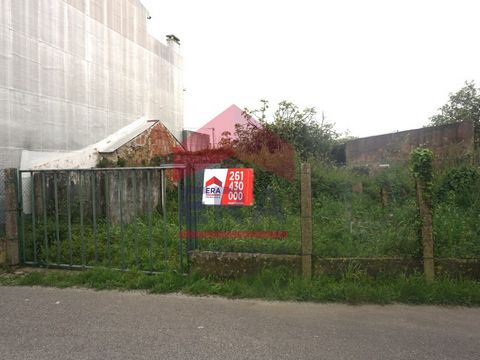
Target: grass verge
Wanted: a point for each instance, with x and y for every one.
(276, 284)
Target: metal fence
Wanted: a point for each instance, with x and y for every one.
(268, 227)
(356, 224)
(150, 218)
(362, 213)
(355, 214)
(375, 214)
(122, 218)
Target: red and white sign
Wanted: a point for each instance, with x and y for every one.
(228, 187)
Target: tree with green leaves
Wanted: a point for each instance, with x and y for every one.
(461, 106)
(310, 135)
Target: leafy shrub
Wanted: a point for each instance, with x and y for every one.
(459, 184)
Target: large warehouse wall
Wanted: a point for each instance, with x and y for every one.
(74, 71)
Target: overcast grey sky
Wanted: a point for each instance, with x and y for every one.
(372, 66)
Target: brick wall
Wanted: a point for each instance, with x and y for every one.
(452, 143)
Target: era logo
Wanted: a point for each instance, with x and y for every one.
(213, 187)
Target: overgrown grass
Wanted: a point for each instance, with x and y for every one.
(457, 230)
(367, 222)
(142, 244)
(274, 284)
(352, 218)
(253, 220)
(345, 222)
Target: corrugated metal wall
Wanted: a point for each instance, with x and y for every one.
(74, 71)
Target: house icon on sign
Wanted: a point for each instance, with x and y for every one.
(214, 181)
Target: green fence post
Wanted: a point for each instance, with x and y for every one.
(120, 188)
(34, 220)
(82, 230)
(150, 229)
(164, 214)
(11, 228)
(108, 217)
(57, 222)
(93, 180)
(21, 217)
(181, 204)
(45, 221)
(135, 205)
(69, 218)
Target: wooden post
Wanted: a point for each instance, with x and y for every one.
(307, 233)
(384, 196)
(11, 230)
(427, 231)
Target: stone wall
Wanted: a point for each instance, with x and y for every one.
(154, 143)
(233, 265)
(230, 265)
(451, 144)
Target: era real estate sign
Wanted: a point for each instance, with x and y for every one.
(228, 187)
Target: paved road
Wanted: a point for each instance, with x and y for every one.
(43, 323)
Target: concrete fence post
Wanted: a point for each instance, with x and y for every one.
(307, 232)
(11, 229)
(426, 230)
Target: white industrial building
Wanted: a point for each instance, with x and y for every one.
(73, 72)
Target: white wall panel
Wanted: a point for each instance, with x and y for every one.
(6, 13)
(54, 130)
(5, 56)
(4, 114)
(25, 121)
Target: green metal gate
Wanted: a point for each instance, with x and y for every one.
(120, 218)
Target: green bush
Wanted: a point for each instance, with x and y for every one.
(457, 213)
